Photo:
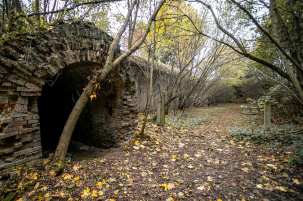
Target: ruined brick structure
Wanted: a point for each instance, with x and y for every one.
(41, 77)
(163, 78)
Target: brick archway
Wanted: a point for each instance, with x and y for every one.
(29, 62)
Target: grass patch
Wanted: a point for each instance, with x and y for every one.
(180, 123)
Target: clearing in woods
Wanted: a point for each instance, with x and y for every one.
(178, 162)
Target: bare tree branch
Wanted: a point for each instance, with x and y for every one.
(267, 34)
(244, 52)
(70, 8)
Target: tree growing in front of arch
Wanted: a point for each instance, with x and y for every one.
(100, 76)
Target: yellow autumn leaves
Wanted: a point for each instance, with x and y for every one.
(32, 176)
(100, 184)
(94, 193)
(94, 94)
(165, 187)
(186, 156)
(86, 193)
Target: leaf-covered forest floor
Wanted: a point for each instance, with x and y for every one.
(178, 162)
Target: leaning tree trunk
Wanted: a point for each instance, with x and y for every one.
(72, 120)
(101, 76)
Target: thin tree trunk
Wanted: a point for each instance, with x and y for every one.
(51, 17)
(8, 13)
(129, 25)
(132, 26)
(45, 4)
(17, 6)
(3, 17)
(101, 76)
(37, 11)
(149, 99)
(242, 49)
(288, 68)
(163, 109)
(150, 83)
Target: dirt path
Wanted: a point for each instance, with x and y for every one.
(175, 164)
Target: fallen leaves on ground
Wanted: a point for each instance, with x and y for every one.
(183, 162)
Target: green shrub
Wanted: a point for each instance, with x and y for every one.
(276, 138)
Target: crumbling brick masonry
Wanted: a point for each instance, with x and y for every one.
(58, 62)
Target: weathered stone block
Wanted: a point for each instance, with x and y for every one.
(39, 155)
(36, 127)
(27, 94)
(18, 123)
(36, 134)
(27, 65)
(36, 116)
(69, 57)
(17, 163)
(18, 119)
(33, 87)
(17, 145)
(30, 117)
(21, 136)
(37, 81)
(10, 134)
(8, 130)
(6, 120)
(9, 160)
(36, 143)
(3, 99)
(34, 121)
(6, 150)
(18, 114)
(37, 140)
(20, 108)
(26, 130)
(21, 71)
(18, 128)
(23, 152)
(40, 73)
(6, 84)
(37, 148)
(27, 138)
(17, 80)
(27, 145)
(56, 61)
(11, 53)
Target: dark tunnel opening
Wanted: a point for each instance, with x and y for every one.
(57, 100)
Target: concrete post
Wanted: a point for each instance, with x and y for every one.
(267, 115)
(163, 109)
(159, 113)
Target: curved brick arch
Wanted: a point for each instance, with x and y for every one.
(25, 65)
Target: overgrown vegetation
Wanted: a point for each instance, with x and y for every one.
(286, 134)
(180, 123)
(278, 95)
(285, 138)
